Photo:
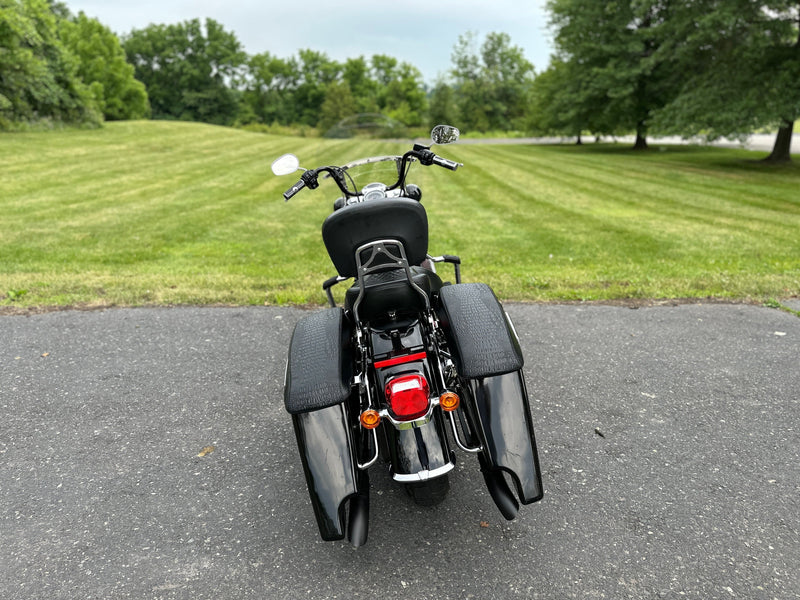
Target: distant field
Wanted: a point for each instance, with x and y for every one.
(176, 213)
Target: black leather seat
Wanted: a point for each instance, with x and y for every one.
(390, 291)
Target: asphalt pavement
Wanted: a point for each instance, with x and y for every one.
(145, 453)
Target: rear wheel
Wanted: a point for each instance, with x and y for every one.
(430, 492)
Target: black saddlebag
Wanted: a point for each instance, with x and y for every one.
(328, 453)
(487, 353)
(319, 370)
(318, 375)
(478, 332)
(506, 431)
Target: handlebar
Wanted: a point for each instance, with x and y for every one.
(423, 154)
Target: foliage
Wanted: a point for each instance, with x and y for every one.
(741, 66)
(315, 91)
(188, 69)
(491, 84)
(401, 94)
(555, 108)
(268, 83)
(441, 106)
(356, 72)
(339, 104)
(713, 67)
(103, 66)
(315, 73)
(39, 78)
(617, 75)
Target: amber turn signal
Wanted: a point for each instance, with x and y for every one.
(370, 419)
(449, 401)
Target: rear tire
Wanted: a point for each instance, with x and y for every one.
(430, 492)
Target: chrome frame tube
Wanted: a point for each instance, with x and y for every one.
(457, 437)
(374, 459)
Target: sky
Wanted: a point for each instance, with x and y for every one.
(421, 32)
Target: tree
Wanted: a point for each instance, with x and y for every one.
(492, 84)
(104, 68)
(356, 73)
(741, 60)
(441, 105)
(509, 75)
(612, 48)
(316, 73)
(404, 97)
(400, 91)
(189, 69)
(559, 104)
(268, 95)
(311, 89)
(339, 103)
(38, 75)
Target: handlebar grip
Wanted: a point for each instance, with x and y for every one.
(293, 190)
(446, 163)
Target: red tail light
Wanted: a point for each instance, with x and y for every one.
(408, 397)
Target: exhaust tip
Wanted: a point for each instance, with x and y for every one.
(501, 494)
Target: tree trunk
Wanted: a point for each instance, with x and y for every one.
(782, 150)
(641, 137)
(579, 142)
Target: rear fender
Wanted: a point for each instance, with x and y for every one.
(419, 453)
(417, 450)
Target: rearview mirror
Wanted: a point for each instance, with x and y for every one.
(283, 165)
(444, 134)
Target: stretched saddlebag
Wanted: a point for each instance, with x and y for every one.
(478, 332)
(327, 450)
(506, 431)
(487, 353)
(318, 376)
(319, 370)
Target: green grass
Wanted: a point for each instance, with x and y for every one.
(174, 213)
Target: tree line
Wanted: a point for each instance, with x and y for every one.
(198, 71)
(62, 68)
(687, 67)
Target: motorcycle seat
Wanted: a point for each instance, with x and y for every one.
(390, 290)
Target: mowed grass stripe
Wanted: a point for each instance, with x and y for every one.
(593, 207)
(606, 189)
(176, 214)
(156, 212)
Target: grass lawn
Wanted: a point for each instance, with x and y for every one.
(174, 213)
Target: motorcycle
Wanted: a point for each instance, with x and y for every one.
(410, 366)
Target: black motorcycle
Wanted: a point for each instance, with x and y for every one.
(410, 366)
